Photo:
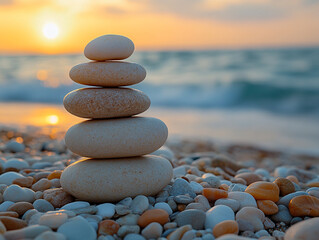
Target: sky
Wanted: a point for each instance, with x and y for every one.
(66, 26)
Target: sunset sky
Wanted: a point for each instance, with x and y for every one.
(65, 26)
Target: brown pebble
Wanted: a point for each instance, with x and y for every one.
(181, 207)
(285, 186)
(205, 185)
(238, 180)
(20, 207)
(108, 227)
(9, 214)
(24, 181)
(41, 185)
(267, 206)
(12, 223)
(224, 162)
(249, 177)
(293, 179)
(57, 197)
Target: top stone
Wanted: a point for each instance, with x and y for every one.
(109, 47)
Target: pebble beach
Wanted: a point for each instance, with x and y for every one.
(217, 192)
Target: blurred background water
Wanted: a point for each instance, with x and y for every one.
(261, 96)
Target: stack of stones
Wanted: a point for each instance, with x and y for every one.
(113, 140)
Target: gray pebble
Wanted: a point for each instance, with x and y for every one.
(126, 201)
(295, 220)
(232, 203)
(139, 204)
(262, 233)
(183, 199)
(286, 199)
(181, 187)
(13, 146)
(122, 209)
(172, 204)
(237, 187)
(283, 215)
(127, 229)
(42, 205)
(134, 236)
(208, 236)
(196, 218)
(213, 181)
(244, 225)
(168, 231)
(130, 219)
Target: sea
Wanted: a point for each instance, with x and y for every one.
(264, 97)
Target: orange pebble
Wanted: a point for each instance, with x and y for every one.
(285, 186)
(263, 191)
(181, 207)
(153, 215)
(301, 206)
(55, 174)
(24, 181)
(225, 227)
(213, 194)
(293, 179)
(224, 186)
(12, 223)
(9, 214)
(267, 206)
(108, 227)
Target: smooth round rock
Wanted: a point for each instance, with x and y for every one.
(116, 138)
(106, 102)
(307, 229)
(108, 74)
(109, 47)
(113, 180)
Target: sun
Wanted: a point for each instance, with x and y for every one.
(50, 30)
(52, 119)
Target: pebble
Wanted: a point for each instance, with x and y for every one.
(212, 194)
(152, 231)
(218, 214)
(285, 186)
(85, 210)
(106, 210)
(108, 102)
(57, 197)
(252, 215)
(249, 177)
(127, 229)
(307, 229)
(196, 187)
(268, 223)
(14, 146)
(237, 187)
(108, 74)
(226, 227)
(53, 220)
(232, 203)
(264, 191)
(283, 215)
(139, 204)
(212, 180)
(8, 177)
(122, 209)
(2, 229)
(5, 205)
(244, 199)
(42, 205)
(109, 47)
(20, 207)
(56, 174)
(75, 205)
(24, 181)
(134, 236)
(153, 215)
(301, 206)
(181, 187)
(12, 223)
(155, 174)
(50, 236)
(29, 232)
(15, 163)
(126, 201)
(189, 235)
(286, 199)
(108, 227)
(77, 228)
(180, 171)
(267, 206)
(203, 201)
(41, 185)
(9, 214)
(164, 206)
(15, 193)
(183, 199)
(179, 232)
(262, 233)
(130, 219)
(193, 217)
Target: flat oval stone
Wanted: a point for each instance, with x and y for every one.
(106, 102)
(116, 138)
(108, 74)
(109, 47)
(114, 179)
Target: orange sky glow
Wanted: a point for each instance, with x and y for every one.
(153, 24)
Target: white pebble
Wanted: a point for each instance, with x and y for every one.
(197, 188)
(244, 199)
(77, 228)
(16, 193)
(218, 214)
(75, 205)
(16, 163)
(53, 220)
(106, 210)
(152, 230)
(139, 204)
(8, 177)
(5, 205)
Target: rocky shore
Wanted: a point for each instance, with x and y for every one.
(243, 191)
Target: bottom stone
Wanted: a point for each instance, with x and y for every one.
(109, 180)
